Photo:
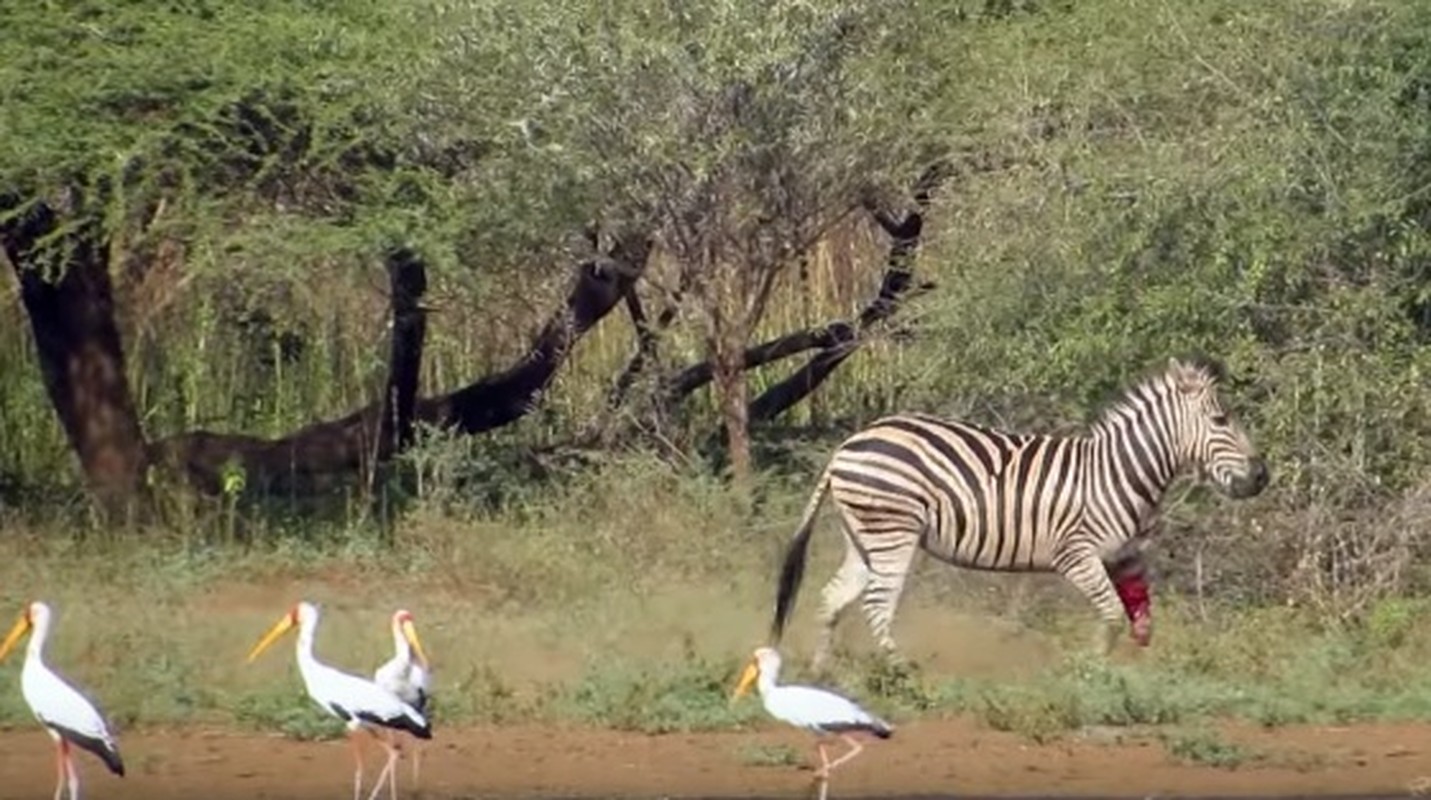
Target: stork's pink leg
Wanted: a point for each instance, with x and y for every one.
(824, 771)
(59, 768)
(855, 749)
(71, 771)
(389, 769)
(392, 774)
(395, 746)
(357, 764)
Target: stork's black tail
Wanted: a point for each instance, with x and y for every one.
(111, 759)
(423, 731)
(108, 752)
(881, 729)
(417, 725)
(793, 570)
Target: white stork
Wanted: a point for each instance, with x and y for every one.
(69, 717)
(358, 702)
(406, 673)
(817, 710)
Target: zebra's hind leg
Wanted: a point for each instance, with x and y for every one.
(847, 584)
(1085, 569)
(889, 568)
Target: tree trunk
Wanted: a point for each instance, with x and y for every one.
(407, 276)
(77, 342)
(407, 281)
(732, 395)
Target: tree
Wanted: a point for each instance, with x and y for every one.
(209, 129)
(725, 139)
(738, 133)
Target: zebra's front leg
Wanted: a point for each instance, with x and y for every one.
(1130, 580)
(1085, 569)
(843, 588)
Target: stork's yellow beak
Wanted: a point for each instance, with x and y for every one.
(410, 633)
(279, 628)
(22, 626)
(747, 679)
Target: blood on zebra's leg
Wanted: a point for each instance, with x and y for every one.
(1133, 590)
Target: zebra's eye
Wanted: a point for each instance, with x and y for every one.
(1219, 419)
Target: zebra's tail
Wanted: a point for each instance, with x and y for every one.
(793, 571)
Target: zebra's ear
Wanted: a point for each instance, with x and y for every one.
(1189, 378)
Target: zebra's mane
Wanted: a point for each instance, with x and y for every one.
(1127, 396)
(1213, 368)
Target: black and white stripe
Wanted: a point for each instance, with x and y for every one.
(991, 500)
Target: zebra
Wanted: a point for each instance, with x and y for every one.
(1082, 506)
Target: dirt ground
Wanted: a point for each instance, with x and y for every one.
(924, 758)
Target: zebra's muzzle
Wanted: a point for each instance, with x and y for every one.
(1250, 485)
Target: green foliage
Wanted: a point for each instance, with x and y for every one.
(1269, 668)
(457, 474)
(479, 694)
(1392, 620)
(209, 111)
(1198, 187)
(1192, 182)
(627, 105)
(765, 755)
(290, 712)
(691, 695)
(1199, 746)
(901, 685)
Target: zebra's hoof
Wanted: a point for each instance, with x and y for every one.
(1143, 630)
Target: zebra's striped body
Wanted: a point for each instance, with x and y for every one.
(1081, 505)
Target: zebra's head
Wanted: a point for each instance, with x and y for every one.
(1213, 440)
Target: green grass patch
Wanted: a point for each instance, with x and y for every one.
(690, 695)
(769, 755)
(289, 711)
(1208, 748)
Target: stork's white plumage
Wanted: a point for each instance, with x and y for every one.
(406, 674)
(69, 717)
(817, 710)
(358, 702)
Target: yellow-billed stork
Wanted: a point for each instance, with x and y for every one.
(817, 710)
(358, 702)
(406, 674)
(70, 718)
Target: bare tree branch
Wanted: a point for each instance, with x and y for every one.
(338, 447)
(906, 235)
